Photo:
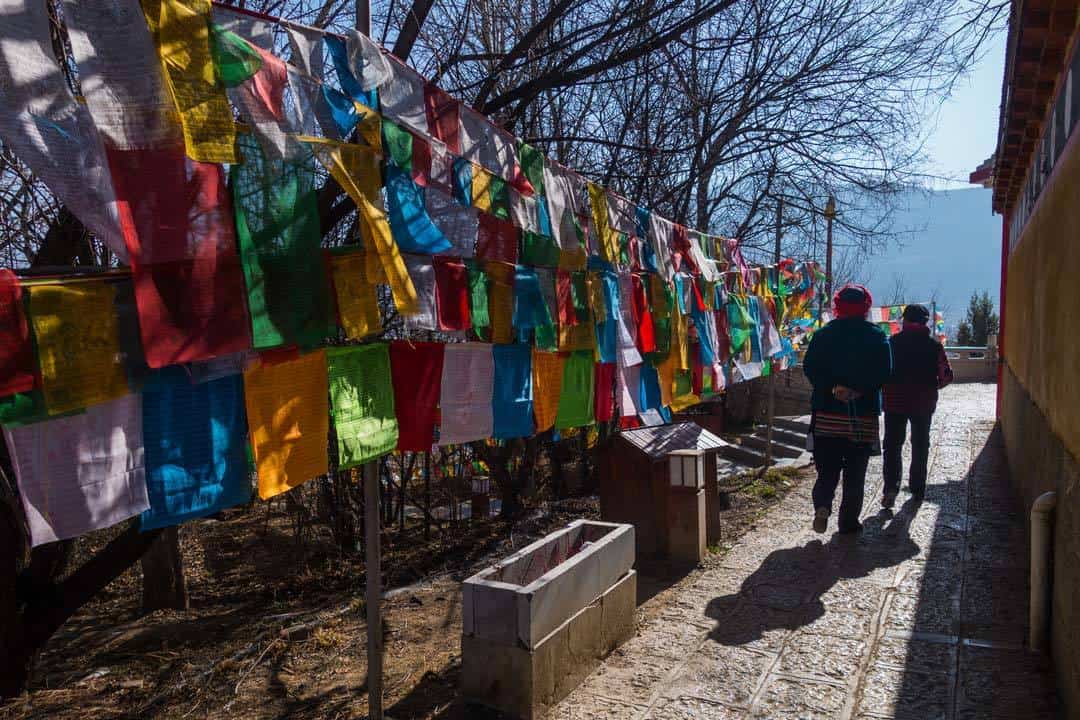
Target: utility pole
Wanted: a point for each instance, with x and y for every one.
(772, 370)
(830, 215)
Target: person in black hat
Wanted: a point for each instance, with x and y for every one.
(920, 369)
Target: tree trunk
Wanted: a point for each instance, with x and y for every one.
(164, 587)
(31, 613)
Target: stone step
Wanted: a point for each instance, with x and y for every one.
(799, 424)
(787, 437)
(759, 443)
(743, 455)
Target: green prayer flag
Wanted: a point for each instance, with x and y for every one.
(538, 250)
(22, 408)
(532, 164)
(361, 402)
(278, 233)
(576, 397)
(579, 295)
(684, 384)
(499, 192)
(479, 284)
(235, 60)
(398, 143)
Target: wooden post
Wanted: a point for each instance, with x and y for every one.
(772, 370)
(373, 590)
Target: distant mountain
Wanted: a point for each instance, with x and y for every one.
(956, 251)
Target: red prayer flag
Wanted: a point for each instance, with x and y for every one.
(680, 251)
(443, 117)
(452, 290)
(646, 337)
(177, 219)
(564, 293)
(416, 372)
(496, 239)
(17, 365)
(604, 401)
(421, 161)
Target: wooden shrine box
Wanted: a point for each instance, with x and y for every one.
(662, 480)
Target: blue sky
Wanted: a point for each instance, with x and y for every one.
(966, 129)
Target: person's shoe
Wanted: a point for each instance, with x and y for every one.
(888, 501)
(918, 497)
(821, 520)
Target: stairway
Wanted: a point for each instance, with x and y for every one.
(789, 446)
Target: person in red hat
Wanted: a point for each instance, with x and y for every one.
(847, 362)
(920, 369)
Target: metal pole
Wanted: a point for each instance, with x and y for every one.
(772, 370)
(372, 527)
(373, 591)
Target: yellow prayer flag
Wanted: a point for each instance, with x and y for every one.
(577, 337)
(356, 169)
(605, 235)
(666, 374)
(75, 330)
(547, 368)
(182, 33)
(288, 419)
(481, 188)
(501, 301)
(358, 306)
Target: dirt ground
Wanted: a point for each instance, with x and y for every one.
(276, 626)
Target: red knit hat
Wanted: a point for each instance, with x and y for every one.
(852, 301)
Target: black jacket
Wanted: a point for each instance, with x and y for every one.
(920, 368)
(850, 352)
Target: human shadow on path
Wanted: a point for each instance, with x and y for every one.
(786, 590)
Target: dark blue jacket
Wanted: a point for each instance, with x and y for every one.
(850, 352)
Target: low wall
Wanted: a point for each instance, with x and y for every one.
(973, 364)
(1039, 462)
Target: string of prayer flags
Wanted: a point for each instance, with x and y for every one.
(547, 370)
(416, 371)
(357, 302)
(512, 403)
(81, 472)
(46, 127)
(277, 226)
(181, 31)
(288, 416)
(452, 285)
(465, 397)
(576, 398)
(362, 402)
(77, 335)
(17, 364)
(196, 447)
(356, 169)
(177, 220)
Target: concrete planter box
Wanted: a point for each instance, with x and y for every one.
(536, 623)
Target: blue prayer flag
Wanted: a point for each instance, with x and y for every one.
(195, 437)
(512, 401)
(410, 223)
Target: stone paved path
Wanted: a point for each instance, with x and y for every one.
(923, 617)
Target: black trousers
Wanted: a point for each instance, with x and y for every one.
(893, 461)
(836, 457)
